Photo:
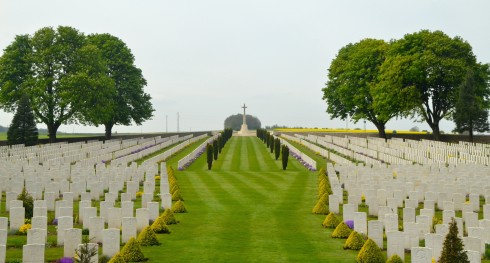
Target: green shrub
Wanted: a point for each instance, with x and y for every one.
(176, 196)
(105, 259)
(341, 231)
(131, 252)
(117, 258)
(331, 221)
(147, 237)
(453, 248)
(355, 241)
(320, 208)
(174, 188)
(394, 259)
(169, 217)
(159, 226)
(27, 202)
(370, 253)
(179, 207)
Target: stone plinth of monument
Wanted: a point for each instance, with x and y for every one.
(244, 129)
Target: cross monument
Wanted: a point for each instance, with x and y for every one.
(244, 128)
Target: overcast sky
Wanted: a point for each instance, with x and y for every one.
(205, 58)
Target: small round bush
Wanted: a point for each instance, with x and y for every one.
(394, 259)
(159, 226)
(341, 231)
(169, 217)
(147, 237)
(320, 209)
(179, 207)
(117, 258)
(370, 253)
(355, 241)
(331, 221)
(131, 252)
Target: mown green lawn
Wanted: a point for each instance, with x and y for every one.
(247, 209)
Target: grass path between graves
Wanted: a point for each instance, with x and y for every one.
(247, 209)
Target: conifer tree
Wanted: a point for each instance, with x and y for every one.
(285, 156)
(272, 144)
(277, 145)
(23, 128)
(215, 149)
(209, 153)
(453, 248)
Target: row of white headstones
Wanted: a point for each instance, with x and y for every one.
(386, 188)
(112, 225)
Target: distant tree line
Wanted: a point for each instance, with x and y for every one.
(235, 122)
(425, 75)
(70, 77)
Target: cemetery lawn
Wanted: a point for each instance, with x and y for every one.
(247, 209)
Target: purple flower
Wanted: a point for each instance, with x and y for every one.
(55, 221)
(350, 223)
(65, 260)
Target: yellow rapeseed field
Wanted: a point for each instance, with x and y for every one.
(305, 130)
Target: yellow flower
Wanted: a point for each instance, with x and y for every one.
(139, 194)
(157, 177)
(23, 229)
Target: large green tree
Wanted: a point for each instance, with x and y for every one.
(62, 75)
(129, 101)
(23, 129)
(471, 109)
(421, 75)
(351, 78)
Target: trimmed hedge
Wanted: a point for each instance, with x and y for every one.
(176, 196)
(341, 231)
(320, 208)
(131, 252)
(117, 258)
(169, 217)
(394, 259)
(331, 221)
(179, 207)
(147, 237)
(355, 241)
(159, 226)
(370, 253)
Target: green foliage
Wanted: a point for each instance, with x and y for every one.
(169, 217)
(285, 156)
(209, 155)
(271, 144)
(23, 128)
(85, 253)
(370, 253)
(421, 74)
(341, 231)
(394, 259)
(235, 122)
(129, 103)
(215, 149)
(453, 248)
(179, 207)
(131, 252)
(352, 74)
(176, 196)
(355, 241)
(159, 226)
(320, 208)
(117, 258)
(27, 202)
(277, 150)
(61, 73)
(331, 221)
(147, 237)
(471, 109)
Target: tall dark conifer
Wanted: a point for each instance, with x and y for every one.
(285, 156)
(277, 146)
(453, 248)
(23, 128)
(215, 149)
(209, 155)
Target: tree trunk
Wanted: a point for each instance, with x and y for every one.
(108, 130)
(471, 131)
(381, 130)
(436, 132)
(52, 129)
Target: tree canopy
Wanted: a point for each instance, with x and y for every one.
(352, 76)
(72, 78)
(421, 75)
(129, 101)
(235, 122)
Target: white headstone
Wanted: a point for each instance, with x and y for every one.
(17, 217)
(360, 222)
(142, 218)
(87, 214)
(91, 246)
(3, 236)
(153, 209)
(421, 255)
(472, 243)
(64, 222)
(111, 241)
(435, 242)
(96, 225)
(375, 232)
(73, 238)
(3, 253)
(36, 236)
(114, 217)
(167, 201)
(33, 253)
(391, 222)
(348, 211)
(4, 222)
(128, 228)
(473, 256)
(395, 244)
